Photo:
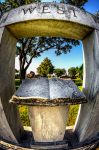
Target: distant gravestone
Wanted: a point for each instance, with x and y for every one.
(49, 19)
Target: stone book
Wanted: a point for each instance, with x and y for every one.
(44, 90)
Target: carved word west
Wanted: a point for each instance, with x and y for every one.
(47, 9)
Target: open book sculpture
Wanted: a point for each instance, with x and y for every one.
(43, 91)
(48, 101)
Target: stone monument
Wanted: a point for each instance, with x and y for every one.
(50, 19)
(48, 101)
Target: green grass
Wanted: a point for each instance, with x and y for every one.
(24, 115)
(73, 111)
(23, 109)
(80, 88)
(78, 82)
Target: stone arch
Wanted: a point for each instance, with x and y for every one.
(51, 19)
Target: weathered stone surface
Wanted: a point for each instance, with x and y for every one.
(88, 119)
(51, 19)
(61, 145)
(49, 11)
(48, 123)
(10, 126)
(53, 28)
(43, 91)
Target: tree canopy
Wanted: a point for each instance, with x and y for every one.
(80, 71)
(45, 68)
(77, 3)
(59, 72)
(76, 72)
(72, 72)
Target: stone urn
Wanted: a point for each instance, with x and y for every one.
(48, 101)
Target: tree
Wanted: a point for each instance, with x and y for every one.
(72, 72)
(10, 4)
(2, 9)
(45, 68)
(29, 48)
(77, 3)
(80, 71)
(76, 72)
(59, 72)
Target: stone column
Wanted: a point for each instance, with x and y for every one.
(10, 125)
(87, 125)
(48, 123)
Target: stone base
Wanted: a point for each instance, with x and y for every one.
(48, 123)
(50, 145)
(66, 144)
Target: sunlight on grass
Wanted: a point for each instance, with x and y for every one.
(80, 88)
(24, 115)
(73, 111)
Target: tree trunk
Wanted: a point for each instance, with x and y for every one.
(22, 74)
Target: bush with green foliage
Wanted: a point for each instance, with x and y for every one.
(59, 72)
(72, 72)
(76, 72)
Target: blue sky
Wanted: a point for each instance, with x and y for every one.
(2, 0)
(72, 59)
